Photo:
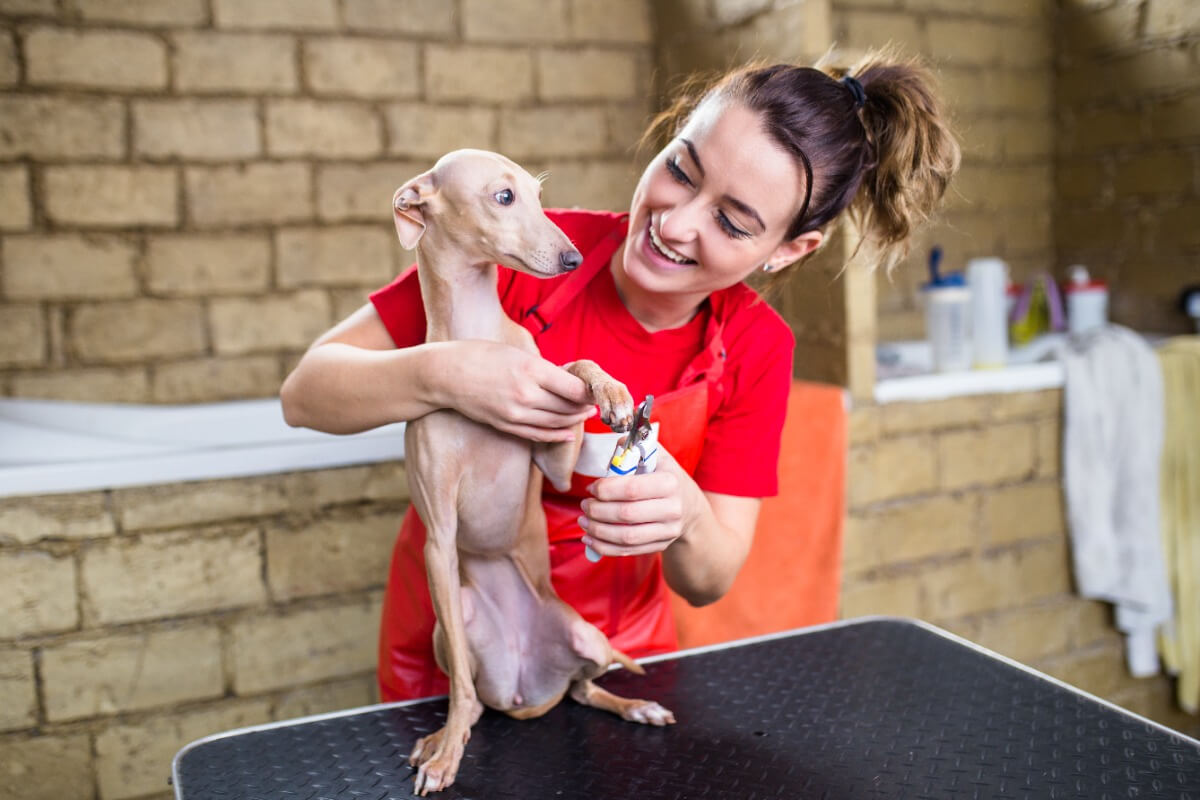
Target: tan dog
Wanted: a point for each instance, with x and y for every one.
(503, 636)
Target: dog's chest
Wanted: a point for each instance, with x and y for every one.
(461, 469)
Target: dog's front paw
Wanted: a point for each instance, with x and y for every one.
(616, 404)
(614, 400)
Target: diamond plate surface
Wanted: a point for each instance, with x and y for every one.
(875, 709)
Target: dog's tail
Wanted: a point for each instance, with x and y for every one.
(627, 662)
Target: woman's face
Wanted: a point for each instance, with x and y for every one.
(713, 206)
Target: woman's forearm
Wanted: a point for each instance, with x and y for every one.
(341, 388)
(717, 531)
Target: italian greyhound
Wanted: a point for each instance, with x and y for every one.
(503, 636)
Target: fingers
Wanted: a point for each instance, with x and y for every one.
(632, 515)
(538, 418)
(662, 509)
(550, 403)
(626, 488)
(537, 434)
(627, 529)
(629, 540)
(566, 386)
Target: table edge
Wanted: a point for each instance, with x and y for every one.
(677, 654)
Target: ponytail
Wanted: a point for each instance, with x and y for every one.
(914, 153)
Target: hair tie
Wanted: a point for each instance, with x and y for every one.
(856, 89)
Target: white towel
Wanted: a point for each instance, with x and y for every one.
(1112, 443)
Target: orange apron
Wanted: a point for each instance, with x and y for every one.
(627, 598)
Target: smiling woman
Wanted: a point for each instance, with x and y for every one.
(758, 166)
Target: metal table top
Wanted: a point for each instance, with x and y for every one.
(871, 708)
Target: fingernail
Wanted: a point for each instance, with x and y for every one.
(588, 541)
(583, 505)
(583, 522)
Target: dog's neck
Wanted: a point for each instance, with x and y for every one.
(459, 295)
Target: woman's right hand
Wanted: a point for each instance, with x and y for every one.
(510, 389)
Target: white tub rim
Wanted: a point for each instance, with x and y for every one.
(161, 444)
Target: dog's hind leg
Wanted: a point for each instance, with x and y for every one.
(597, 654)
(646, 712)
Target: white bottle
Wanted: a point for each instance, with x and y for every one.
(987, 278)
(947, 303)
(1087, 301)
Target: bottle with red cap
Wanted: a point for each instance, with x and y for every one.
(1087, 301)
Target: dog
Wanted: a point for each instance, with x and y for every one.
(503, 636)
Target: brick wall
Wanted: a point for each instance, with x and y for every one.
(136, 620)
(994, 62)
(955, 516)
(1127, 196)
(191, 191)
(274, 147)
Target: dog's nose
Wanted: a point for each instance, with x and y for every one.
(570, 259)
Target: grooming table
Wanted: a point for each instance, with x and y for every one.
(870, 708)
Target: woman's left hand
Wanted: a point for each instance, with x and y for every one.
(629, 515)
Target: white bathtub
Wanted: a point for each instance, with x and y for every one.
(48, 447)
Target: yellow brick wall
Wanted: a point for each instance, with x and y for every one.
(1127, 196)
(955, 516)
(234, 160)
(133, 621)
(994, 61)
(191, 191)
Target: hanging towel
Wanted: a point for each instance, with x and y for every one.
(793, 573)
(1179, 643)
(1112, 444)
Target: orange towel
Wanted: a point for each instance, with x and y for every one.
(793, 573)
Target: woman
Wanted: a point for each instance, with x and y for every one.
(760, 164)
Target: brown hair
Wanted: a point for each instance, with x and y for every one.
(886, 152)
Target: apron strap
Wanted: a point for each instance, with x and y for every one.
(709, 364)
(543, 314)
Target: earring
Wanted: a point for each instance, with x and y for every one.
(766, 267)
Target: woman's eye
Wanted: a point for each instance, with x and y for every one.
(504, 197)
(677, 173)
(730, 228)
(726, 225)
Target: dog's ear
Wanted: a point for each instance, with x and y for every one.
(406, 208)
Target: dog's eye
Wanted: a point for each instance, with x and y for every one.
(504, 197)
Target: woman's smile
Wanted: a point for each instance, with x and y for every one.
(661, 252)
